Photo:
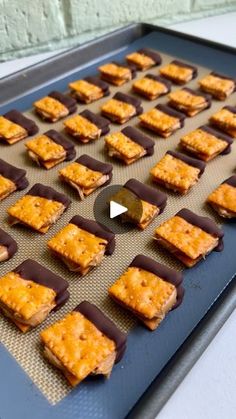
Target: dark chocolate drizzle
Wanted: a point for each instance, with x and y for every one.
(67, 101)
(61, 140)
(147, 193)
(19, 119)
(154, 55)
(18, 176)
(99, 83)
(220, 135)
(206, 96)
(97, 166)
(32, 271)
(131, 100)
(98, 229)
(204, 223)
(138, 137)
(170, 275)
(161, 79)
(172, 112)
(105, 325)
(182, 64)
(189, 160)
(231, 181)
(49, 193)
(102, 123)
(7, 241)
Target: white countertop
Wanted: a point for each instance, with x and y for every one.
(208, 391)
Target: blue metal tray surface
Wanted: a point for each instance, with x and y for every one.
(147, 353)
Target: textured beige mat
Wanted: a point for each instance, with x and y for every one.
(93, 287)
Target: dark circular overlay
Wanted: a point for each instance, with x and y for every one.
(122, 223)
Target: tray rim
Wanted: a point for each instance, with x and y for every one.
(190, 351)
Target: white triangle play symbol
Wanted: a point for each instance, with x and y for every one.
(116, 209)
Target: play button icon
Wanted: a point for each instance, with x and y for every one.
(116, 209)
(113, 206)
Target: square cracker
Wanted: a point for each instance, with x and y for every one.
(224, 198)
(185, 240)
(159, 122)
(175, 174)
(24, 298)
(121, 146)
(219, 87)
(118, 111)
(144, 293)
(184, 99)
(11, 132)
(82, 128)
(80, 175)
(177, 73)
(115, 73)
(149, 88)
(51, 108)
(225, 120)
(142, 61)
(45, 148)
(77, 246)
(78, 346)
(205, 145)
(6, 187)
(85, 91)
(36, 212)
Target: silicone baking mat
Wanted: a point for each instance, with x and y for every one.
(147, 352)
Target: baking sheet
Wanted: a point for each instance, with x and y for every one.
(201, 291)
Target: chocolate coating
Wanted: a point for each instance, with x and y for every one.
(105, 325)
(61, 140)
(98, 229)
(189, 160)
(138, 137)
(102, 123)
(170, 275)
(33, 271)
(147, 193)
(49, 193)
(154, 55)
(206, 96)
(204, 223)
(7, 241)
(220, 135)
(161, 79)
(99, 83)
(182, 64)
(19, 119)
(14, 174)
(172, 112)
(231, 181)
(97, 166)
(232, 109)
(123, 97)
(67, 101)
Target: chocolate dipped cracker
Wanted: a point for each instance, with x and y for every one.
(116, 73)
(223, 198)
(163, 120)
(218, 85)
(30, 292)
(14, 126)
(149, 290)
(206, 143)
(177, 171)
(50, 149)
(82, 244)
(144, 58)
(39, 209)
(151, 86)
(89, 89)
(87, 126)
(179, 72)
(8, 246)
(121, 108)
(225, 120)
(55, 106)
(86, 174)
(189, 237)
(143, 202)
(189, 101)
(129, 145)
(11, 179)
(85, 342)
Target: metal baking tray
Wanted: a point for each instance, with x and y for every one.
(155, 363)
